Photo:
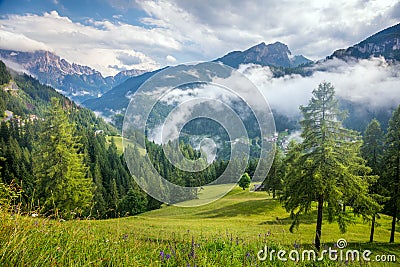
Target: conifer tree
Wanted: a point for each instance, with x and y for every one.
(99, 206)
(330, 170)
(391, 174)
(61, 177)
(244, 181)
(372, 152)
(273, 181)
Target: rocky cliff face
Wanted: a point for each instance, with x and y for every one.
(276, 54)
(76, 81)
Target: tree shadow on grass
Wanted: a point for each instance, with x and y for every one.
(309, 218)
(250, 207)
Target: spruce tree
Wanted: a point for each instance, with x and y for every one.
(273, 181)
(391, 174)
(372, 148)
(372, 152)
(62, 185)
(329, 170)
(5, 76)
(244, 181)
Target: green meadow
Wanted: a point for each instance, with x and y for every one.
(227, 232)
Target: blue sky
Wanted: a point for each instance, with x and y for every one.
(113, 35)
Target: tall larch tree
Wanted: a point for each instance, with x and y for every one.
(62, 186)
(330, 170)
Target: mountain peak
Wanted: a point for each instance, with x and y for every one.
(76, 81)
(276, 54)
(385, 43)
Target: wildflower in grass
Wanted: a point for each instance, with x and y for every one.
(162, 255)
(125, 237)
(248, 255)
(168, 256)
(269, 233)
(34, 215)
(192, 253)
(295, 245)
(172, 251)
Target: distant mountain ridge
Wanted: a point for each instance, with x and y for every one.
(385, 43)
(117, 99)
(276, 55)
(75, 81)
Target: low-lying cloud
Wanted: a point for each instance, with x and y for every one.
(371, 82)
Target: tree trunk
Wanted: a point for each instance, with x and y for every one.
(319, 223)
(273, 193)
(371, 236)
(394, 219)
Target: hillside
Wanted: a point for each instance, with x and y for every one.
(29, 113)
(26, 98)
(229, 231)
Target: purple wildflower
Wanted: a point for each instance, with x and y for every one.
(162, 255)
(168, 256)
(125, 236)
(248, 255)
(191, 254)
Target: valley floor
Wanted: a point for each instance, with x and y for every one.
(228, 232)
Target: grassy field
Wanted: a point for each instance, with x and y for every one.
(228, 232)
(118, 143)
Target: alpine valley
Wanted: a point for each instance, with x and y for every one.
(218, 163)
